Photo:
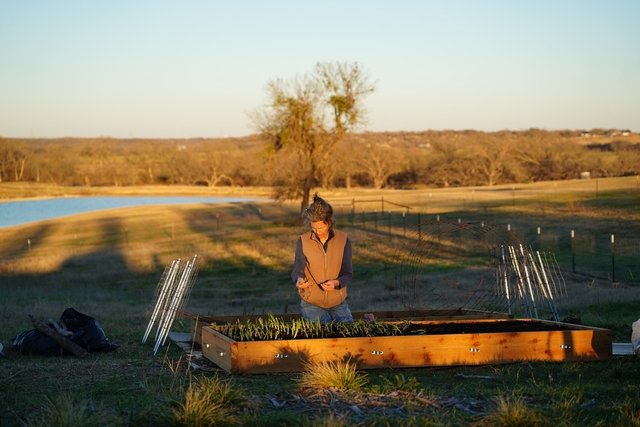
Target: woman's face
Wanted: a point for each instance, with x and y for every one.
(321, 228)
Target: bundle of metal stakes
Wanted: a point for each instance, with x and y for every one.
(531, 278)
(172, 294)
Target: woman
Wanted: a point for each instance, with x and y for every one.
(322, 266)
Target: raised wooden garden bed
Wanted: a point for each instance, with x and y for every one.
(444, 342)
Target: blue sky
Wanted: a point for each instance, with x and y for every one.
(174, 69)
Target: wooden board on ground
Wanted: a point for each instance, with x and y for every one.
(192, 350)
(64, 342)
(622, 349)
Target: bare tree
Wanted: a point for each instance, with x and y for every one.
(380, 162)
(308, 116)
(13, 159)
(348, 151)
(447, 165)
(213, 172)
(492, 156)
(543, 156)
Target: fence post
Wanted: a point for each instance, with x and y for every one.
(404, 223)
(613, 258)
(353, 211)
(538, 232)
(419, 226)
(573, 251)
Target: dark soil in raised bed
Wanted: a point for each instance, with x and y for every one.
(409, 328)
(451, 328)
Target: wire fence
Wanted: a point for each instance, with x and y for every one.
(609, 256)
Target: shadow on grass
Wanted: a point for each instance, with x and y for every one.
(21, 243)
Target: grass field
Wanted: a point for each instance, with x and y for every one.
(107, 265)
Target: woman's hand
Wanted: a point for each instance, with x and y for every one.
(302, 283)
(331, 285)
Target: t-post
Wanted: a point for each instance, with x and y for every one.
(353, 211)
(573, 251)
(613, 258)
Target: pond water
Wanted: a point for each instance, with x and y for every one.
(25, 211)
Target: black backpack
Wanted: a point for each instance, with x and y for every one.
(80, 328)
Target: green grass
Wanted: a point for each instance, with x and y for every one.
(616, 316)
(62, 410)
(108, 265)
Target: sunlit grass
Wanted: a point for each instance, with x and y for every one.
(514, 412)
(15, 190)
(209, 401)
(108, 264)
(339, 374)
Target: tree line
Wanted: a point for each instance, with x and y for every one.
(369, 159)
(306, 138)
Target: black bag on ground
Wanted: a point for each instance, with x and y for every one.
(34, 341)
(81, 329)
(87, 332)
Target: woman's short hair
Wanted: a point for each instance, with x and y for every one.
(319, 210)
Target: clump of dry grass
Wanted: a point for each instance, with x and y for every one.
(629, 413)
(339, 374)
(513, 412)
(62, 411)
(330, 420)
(209, 401)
